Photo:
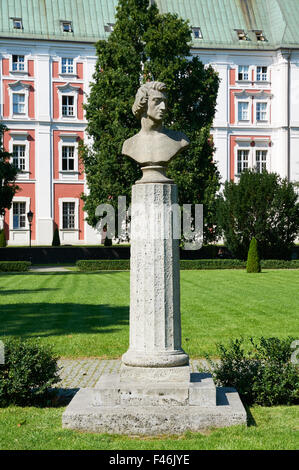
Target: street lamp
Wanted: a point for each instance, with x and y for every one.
(30, 218)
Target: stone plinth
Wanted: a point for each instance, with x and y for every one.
(143, 408)
(155, 322)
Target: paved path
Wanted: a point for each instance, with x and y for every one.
(80, 373)
(50, 269)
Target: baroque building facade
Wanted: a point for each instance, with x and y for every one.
(47, 59)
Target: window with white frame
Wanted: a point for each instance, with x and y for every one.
(197, 32)
(19, 157)
(68, 215)
(18, 103)
(17, 23)
(68, 158)
(18, 63)
(243, 72)
(67, 65)
(261, 74)
(243, 111)
(19, 215)
(261, 160)
(261, 111)
(242, 160)
(67, 105)
(66, 26)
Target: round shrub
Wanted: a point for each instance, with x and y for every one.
(263, 375)
(29, 369)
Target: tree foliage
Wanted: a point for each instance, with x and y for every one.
(8, 175)
(260, 205)
(146, 45)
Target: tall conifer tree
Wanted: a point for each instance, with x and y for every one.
(146, 45)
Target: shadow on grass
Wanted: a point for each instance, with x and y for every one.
(250, 419)
(45, 319)
(63, 273)
(23, 291)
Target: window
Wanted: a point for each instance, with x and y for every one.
(67, 106)
(18, 101)
(197, 33)
(261, 160)
(19, 215)
(242, 161)
(17, 23)
(260, 36)
(261, 111)
(68, 215)
(261, 74)
(18, 63)
(243, 108)
(18, 157)
(67, 65)
(109, 27)
(68, 158)
(243, 72)
(66, 26)
(242, 36)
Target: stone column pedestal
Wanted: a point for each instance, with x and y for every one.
(155, 322)
(154, 390)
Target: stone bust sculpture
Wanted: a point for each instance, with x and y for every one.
(154, 146)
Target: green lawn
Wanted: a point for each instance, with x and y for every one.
(32, 428)
(87, 314)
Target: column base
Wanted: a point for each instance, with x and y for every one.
(147, 408)
(164, 359)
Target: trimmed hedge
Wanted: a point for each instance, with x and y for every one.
(14, 266)
(212, 264)
(280, 264)
(124, 265)
(103, 265)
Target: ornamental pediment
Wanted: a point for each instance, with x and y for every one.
(68, 88)
(261, 95)
(19, 85)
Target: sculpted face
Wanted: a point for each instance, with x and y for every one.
(156, 105)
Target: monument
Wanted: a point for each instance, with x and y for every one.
(154, 391)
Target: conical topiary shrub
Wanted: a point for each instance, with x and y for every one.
(2, 239)
(253, 259)
(107, 242)
(56, 239)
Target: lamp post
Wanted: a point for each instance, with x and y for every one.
(30, 217)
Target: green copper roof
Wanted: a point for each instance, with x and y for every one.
(42, 19)
(217, 19)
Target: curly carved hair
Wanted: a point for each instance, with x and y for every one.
(142, 94)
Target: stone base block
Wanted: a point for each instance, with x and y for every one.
(84, 414)
(155, 374)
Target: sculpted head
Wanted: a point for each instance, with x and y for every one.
(150, 101)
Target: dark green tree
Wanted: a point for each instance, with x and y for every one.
(146, 45)
(2, 239)
(253, 260)
(260, 205)
(8, 175)
(56, 238)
